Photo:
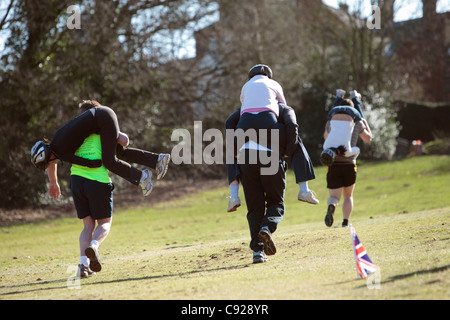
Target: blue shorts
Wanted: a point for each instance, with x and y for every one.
(92, 198)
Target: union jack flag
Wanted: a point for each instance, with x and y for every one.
(364, 265)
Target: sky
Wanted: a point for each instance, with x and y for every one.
(404, 9)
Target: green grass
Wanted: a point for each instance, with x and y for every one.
(190, 248)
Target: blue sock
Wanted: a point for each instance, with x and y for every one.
(234, 190)
(304, 186)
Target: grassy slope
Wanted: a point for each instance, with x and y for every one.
(191, 248)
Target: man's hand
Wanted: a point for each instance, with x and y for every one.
(123, 139)
(54, 190)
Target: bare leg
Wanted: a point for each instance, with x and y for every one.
(347, 207)
(86, 234)
(102, 230)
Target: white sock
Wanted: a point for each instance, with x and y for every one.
(234, 191)
(94, 243)
(304, 186)
(84, 261)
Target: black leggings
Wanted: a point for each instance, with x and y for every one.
(106, 120)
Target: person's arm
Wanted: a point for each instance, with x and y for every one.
(73, 159)
(53, 186)
(233, 119)
(366, 134)
(280, 94)
(231, 123)
(289, 119)
(123, 139)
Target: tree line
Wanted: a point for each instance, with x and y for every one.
(126, 55)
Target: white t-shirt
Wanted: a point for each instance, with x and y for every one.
(341, 135)
(261, 94)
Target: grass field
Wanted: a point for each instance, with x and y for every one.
(190, 248)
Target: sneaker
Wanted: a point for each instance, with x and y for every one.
(340, 93)
(265, 236)
(162, 166)
(329, 216)
(355, 94)
(94, 258)
(309, 197)
(233, 204)
(259, 256)
(146, 182)
(345, 223)
(84, 272)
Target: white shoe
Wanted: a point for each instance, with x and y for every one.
(309, 197)
(146, 182)
(233, 204)
(162, 166)
(355, 94)
(340, 93)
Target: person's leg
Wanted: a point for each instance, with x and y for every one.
(100, 197)
(333, 201)
(156, 161)
(109, 133)
(274, 187)
(235, 201)
(138, 156)
(102, 230)
(81, 202)
(254, 198)
(302, 165)
(340, 94)
(356, 99)
(304, 171)
(347, 206)
(86, 238)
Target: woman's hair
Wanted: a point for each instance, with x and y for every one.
(347, 102)
(88, 104)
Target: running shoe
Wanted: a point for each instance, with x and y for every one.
(162, 166)
(146, 183)
(340, 93)
(233, 204)
(309, 197)
(329, 216)
(259, 257)
(265, 236)
(94, 258)
(84, 272)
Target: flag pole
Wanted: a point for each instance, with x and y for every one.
(352, 236)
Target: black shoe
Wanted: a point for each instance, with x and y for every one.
(265, 236)
(329, 216)
(94, 259)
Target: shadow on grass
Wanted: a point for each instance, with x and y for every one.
(416, 273)
(410, 274)
(70, 279)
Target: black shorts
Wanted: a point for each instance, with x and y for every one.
(341, 175)
(92, 198)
